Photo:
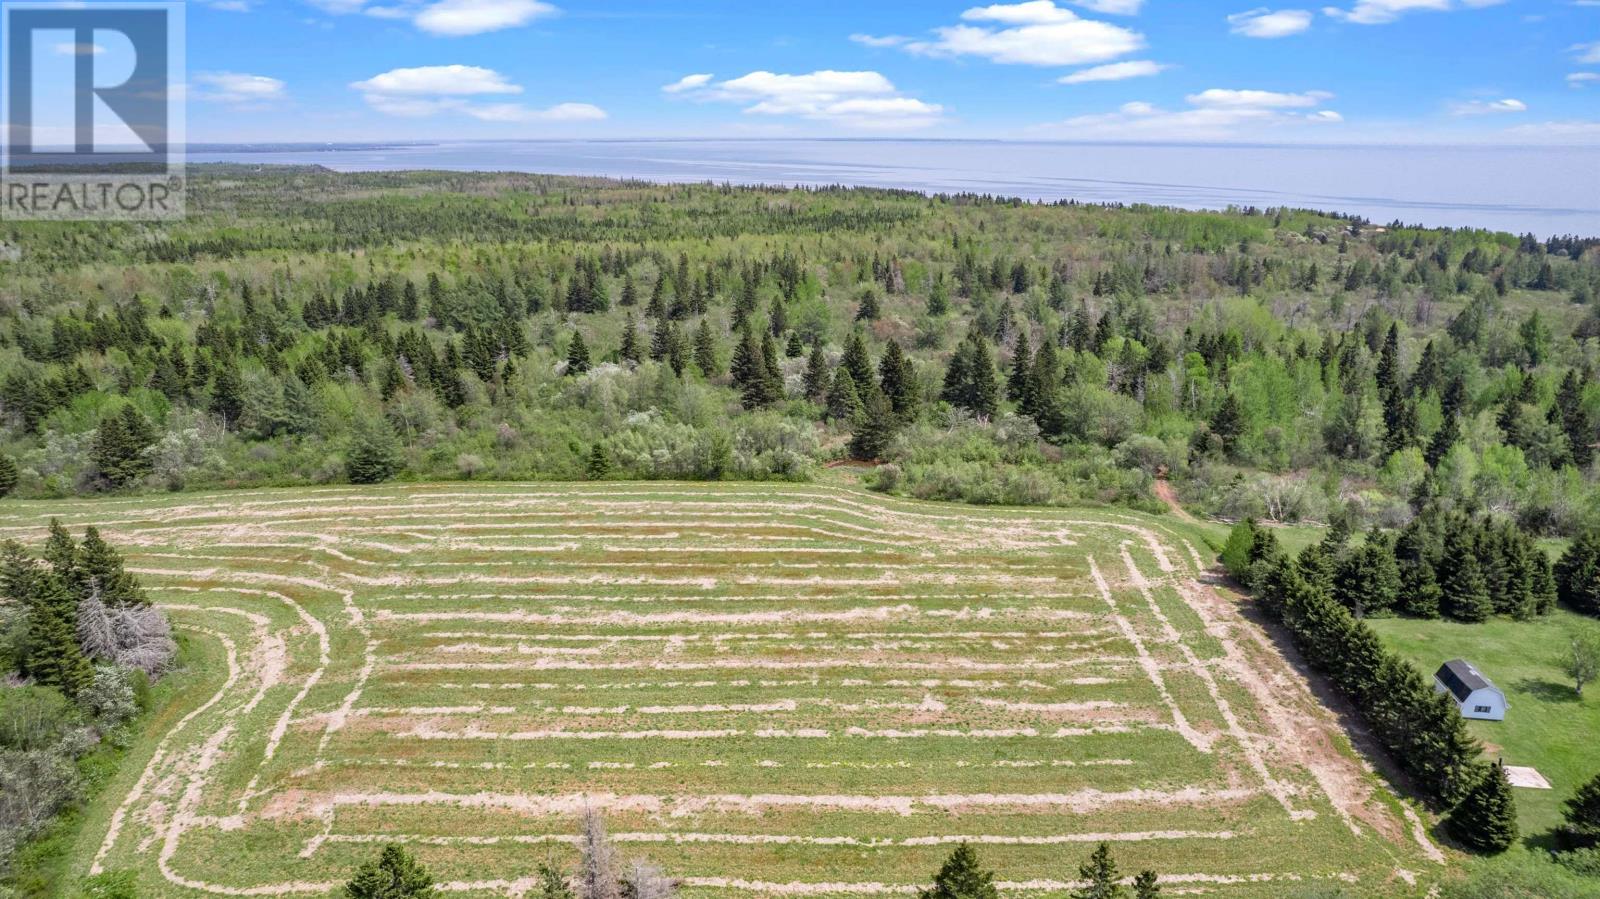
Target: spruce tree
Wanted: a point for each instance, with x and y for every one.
(705, 351)
(794, 349)
(54, 658)
(103, 571)
(868, 309)
(876, 429)
(227, 394)
(857, 361)
(1464, 591)
(844, 401)
(1019, 383)
(374, 455)
(577, 355)
(8, 475)
(552, 883)
(630, 351)
(395, 875)
(1228, 423)
(1583, 814)
(1147, 885)
(984, 391)
(1485, 820)
(1578, 573)
(599, 465)
(817, 380)
(898, 380)
(961, 877)
(1100, 877)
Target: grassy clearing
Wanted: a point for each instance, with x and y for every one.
(771, 689)
(1547, 726)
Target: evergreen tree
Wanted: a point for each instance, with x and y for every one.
(939, 297)
(1583, 814)
(227, 394)
(1367, 580)
(868, 309)
(553, 884)
(1464, 591)
(53, 657)
(103, 572)
(1577, 574)
(705, 351)
(1100, 877)
(1147, 885)
(984, 390)
(577, 355)
(8, 475)
(631, 351)
(844, 401)
(1485, 820)
(1228, 423)
(374, 455)
(898, 380)
(1019, 383)
(395, 875)
(961, 877)
(794, 349)
(876, 429)
(599, 465)
(1445, 439)
(816, 381)
(858, 362)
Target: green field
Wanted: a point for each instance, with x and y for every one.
(1546, 727)
(770, 689)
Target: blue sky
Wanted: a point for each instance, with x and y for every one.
(1391, 71)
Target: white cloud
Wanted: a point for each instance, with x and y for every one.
(1215, 114)
(1035, 33)
(861, 100)
(1579, 79)
(431, 90)
(1266, 23)
(687, 83)
(1587, 53)
(455, 18)
(1219, 98)
(1116, 71)
(887, 40)
(1487, 107)
(446, 18)
(238, 89)
(1381, 12)
(458, 80)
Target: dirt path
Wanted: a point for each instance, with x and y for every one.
(1166, 494)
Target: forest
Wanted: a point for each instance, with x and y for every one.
(308, 327)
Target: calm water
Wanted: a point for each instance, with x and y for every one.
(1543, 190)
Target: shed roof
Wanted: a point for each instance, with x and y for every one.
(1462, 678)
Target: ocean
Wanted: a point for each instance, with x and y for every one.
(1540, 190)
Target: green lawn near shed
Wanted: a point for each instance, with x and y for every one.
(1547, 726)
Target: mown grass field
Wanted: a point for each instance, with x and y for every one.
(1547, 726)
(771, 690)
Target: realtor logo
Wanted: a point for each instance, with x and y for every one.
(92, 111)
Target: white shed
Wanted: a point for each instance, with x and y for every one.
(1475, 694)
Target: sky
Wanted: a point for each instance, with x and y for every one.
(1360, 71)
